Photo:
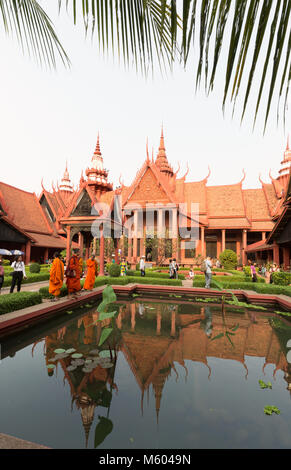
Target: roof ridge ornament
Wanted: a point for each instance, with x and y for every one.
(244, 177)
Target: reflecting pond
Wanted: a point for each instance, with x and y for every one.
(183, 376)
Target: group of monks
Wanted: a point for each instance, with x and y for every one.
(73, 274)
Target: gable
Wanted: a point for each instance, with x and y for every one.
(149, 189)
(83, 206)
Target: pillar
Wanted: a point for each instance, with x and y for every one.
(101, 257)
(142, 246)
(286, 258)
(238, 248)
(223, 239)
(203, 250)
(276, 254)
(116, 247)
(81, 243)
(244, 243)
(130, 250)
(68, 247)
(46, 251)
(174, 234)
(27, 252)
(263, 235)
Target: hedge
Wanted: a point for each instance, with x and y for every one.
(114, 270)
(39, 277)
(152, 274)
(34, 268)
(281, 278)
(254, 286)
(11, 302)
(230, 279)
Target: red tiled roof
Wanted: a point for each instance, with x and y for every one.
(24, 209)
(225, 201)
(256, 204)
(195, 193)
(236, 222)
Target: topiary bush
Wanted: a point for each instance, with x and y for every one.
(114, 270)
(34, 268)
(5, 262)
(228, 259)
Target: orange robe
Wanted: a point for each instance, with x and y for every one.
(91, 273)
(73, 283)
(81, 265)
(56, 277)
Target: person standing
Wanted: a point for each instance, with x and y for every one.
(18, 273)
(73, 274)
(56, 277)
(1, 274)
(123, 267)
(142, 266)
(92, 272)
(175, 268)
(208, 272)
(253, 272)
(171, 269)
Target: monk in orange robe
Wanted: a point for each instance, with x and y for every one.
(92, 271)
(73, 274)
(81, 266)
(56, 276)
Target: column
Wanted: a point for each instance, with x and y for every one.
(263, 235)
(46, 253)
(223, 239)
(101, 257)
(116, 247)
(130, 249)
(203, 250)
(27, 252)
(218, 245)
(286, 258)
(276, 254)
(142, 246)
(134, 242)
(174, 234)
(81, 243)
(238, 248)
(244, 242)
(68, 247)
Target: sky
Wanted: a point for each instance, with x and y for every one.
(49, 117)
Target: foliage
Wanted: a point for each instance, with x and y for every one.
(281, 278)
(268, 410)
(5, 262)
(228, 259)
(114, 270)
(153, 274)
(264, 385)
(34, 268)
(19, 300)
(103, 428)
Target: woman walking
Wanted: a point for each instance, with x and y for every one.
(56, 277)
(18, 274)
(253, 272)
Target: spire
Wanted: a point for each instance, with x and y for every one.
(66, 184)
(287, 148)
(161, 160)
(97, 174)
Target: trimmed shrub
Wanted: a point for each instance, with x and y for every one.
(228, 259)
(281, 278)
(230, 279)
(114, 270)
(11, 302)
(154, 281)
(254, 286)
(30, 278)
(34, 268)
(5, 262)
(153, 274)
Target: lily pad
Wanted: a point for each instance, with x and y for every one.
(105, 353)
(71, 368)
(51, 366)
(106, 365)
(94, 352)
(69, 312)
(59, 351)
(70, 351)
(78, 362)
(86, 370)
(77, 355)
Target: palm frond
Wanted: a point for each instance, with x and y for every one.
(34, 30)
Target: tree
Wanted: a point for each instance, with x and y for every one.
(228, 259)
(255, 33)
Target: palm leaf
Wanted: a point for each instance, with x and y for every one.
(33, 29)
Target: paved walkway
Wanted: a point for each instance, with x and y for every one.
(30, 287)
(10, 442)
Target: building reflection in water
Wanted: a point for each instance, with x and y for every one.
(154, 338)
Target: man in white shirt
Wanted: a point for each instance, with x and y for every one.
(142, 266)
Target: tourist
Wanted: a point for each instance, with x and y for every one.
(191, 274)
(175, 268)
(142, 266)
(218, 264)
(18, 273)
(253, 272)
(92, 272)
(149, 256)
(171, 269)
(56, 277)
(1, 274)
(206, 323)
(208, 272)
(264, 270)
(123, 267)
(73, 274)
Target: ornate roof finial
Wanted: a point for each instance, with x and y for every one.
(66, 184)
(147, 150)
(97, 149)
(244, 177)
(161, 160)
(287, 148)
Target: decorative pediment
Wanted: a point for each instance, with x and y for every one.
(149, 190)
(83, 205)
